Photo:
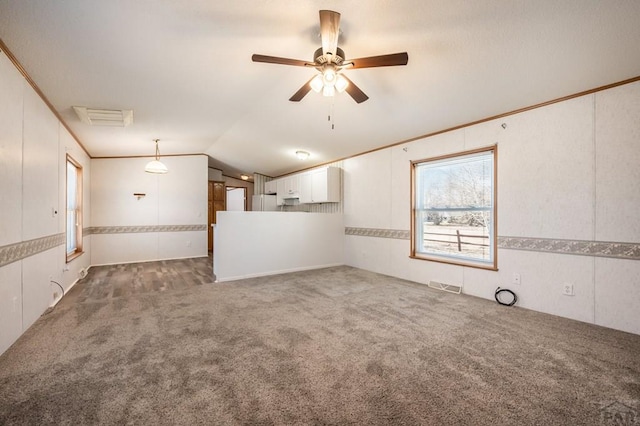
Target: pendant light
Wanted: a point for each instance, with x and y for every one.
(155, 166)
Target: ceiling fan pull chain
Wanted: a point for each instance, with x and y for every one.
(331, 114)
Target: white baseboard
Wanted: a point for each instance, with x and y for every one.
(278, 272)
(149, 260)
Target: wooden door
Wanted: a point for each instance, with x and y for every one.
(210, 217)
(217, 197)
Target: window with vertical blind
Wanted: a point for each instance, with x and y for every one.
(74, 209)
(454, 208)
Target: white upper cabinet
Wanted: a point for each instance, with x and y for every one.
(292, 186)
(271, 187)
(315, 186)
(287, 188)
(320, 186)
(305, 188)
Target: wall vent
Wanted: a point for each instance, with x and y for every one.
(105, 117)
(445, 287)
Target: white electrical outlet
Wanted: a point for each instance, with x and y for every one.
(516, 279)
(567, 289)
(188, 243)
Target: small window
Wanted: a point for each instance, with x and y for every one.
(454, 209)
(74, 209)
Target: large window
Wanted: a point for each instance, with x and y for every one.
(74, 209)
(454, 208)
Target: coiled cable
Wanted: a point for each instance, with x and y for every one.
(502, 302)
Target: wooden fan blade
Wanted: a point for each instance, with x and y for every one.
(329, 31)
(280, 61)
(302, 92)
(355, 92)
(380, 61)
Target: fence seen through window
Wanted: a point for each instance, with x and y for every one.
(453, 212)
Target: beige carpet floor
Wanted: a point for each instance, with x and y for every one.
(159, 343)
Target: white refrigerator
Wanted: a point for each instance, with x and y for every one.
(263, 203)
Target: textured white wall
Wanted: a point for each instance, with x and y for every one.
(39, 168)
(12, 88)
(617, 199)
(113, 183)
(33, 149)
(177, 198)
(565, 171)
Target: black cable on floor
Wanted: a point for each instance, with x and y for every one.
(59, 286)
(505, 290)
(51, 308)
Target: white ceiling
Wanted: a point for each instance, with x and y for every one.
(185, 69)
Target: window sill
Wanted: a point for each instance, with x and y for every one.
(73, 256)
(467, 264)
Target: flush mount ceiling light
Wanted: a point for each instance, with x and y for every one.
(105, 117)
(302, 155)
(244, 177)
(155, 166)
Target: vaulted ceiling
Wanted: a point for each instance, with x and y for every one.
(185, 69)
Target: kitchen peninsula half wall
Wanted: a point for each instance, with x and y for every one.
(253, 244)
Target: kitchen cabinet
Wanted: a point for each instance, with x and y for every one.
(320, 186)
(292, 186)
(287, 188)
(271, 187)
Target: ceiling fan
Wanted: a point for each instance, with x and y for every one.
(330, 61)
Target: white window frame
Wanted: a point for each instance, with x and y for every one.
(426, 250)
(73, 209)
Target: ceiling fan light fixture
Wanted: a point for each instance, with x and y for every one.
(316, 83)
(328, 91)
(329, 76)
(341, 83)
(329, 60)
(156, 166)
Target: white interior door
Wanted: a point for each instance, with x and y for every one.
(236, 199)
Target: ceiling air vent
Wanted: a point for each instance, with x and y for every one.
(105, 117)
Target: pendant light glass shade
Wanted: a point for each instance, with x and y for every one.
(156, 166)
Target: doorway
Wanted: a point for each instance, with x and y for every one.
(236, 198)
(217, 202)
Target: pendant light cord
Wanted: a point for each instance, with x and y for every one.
(157, 150)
